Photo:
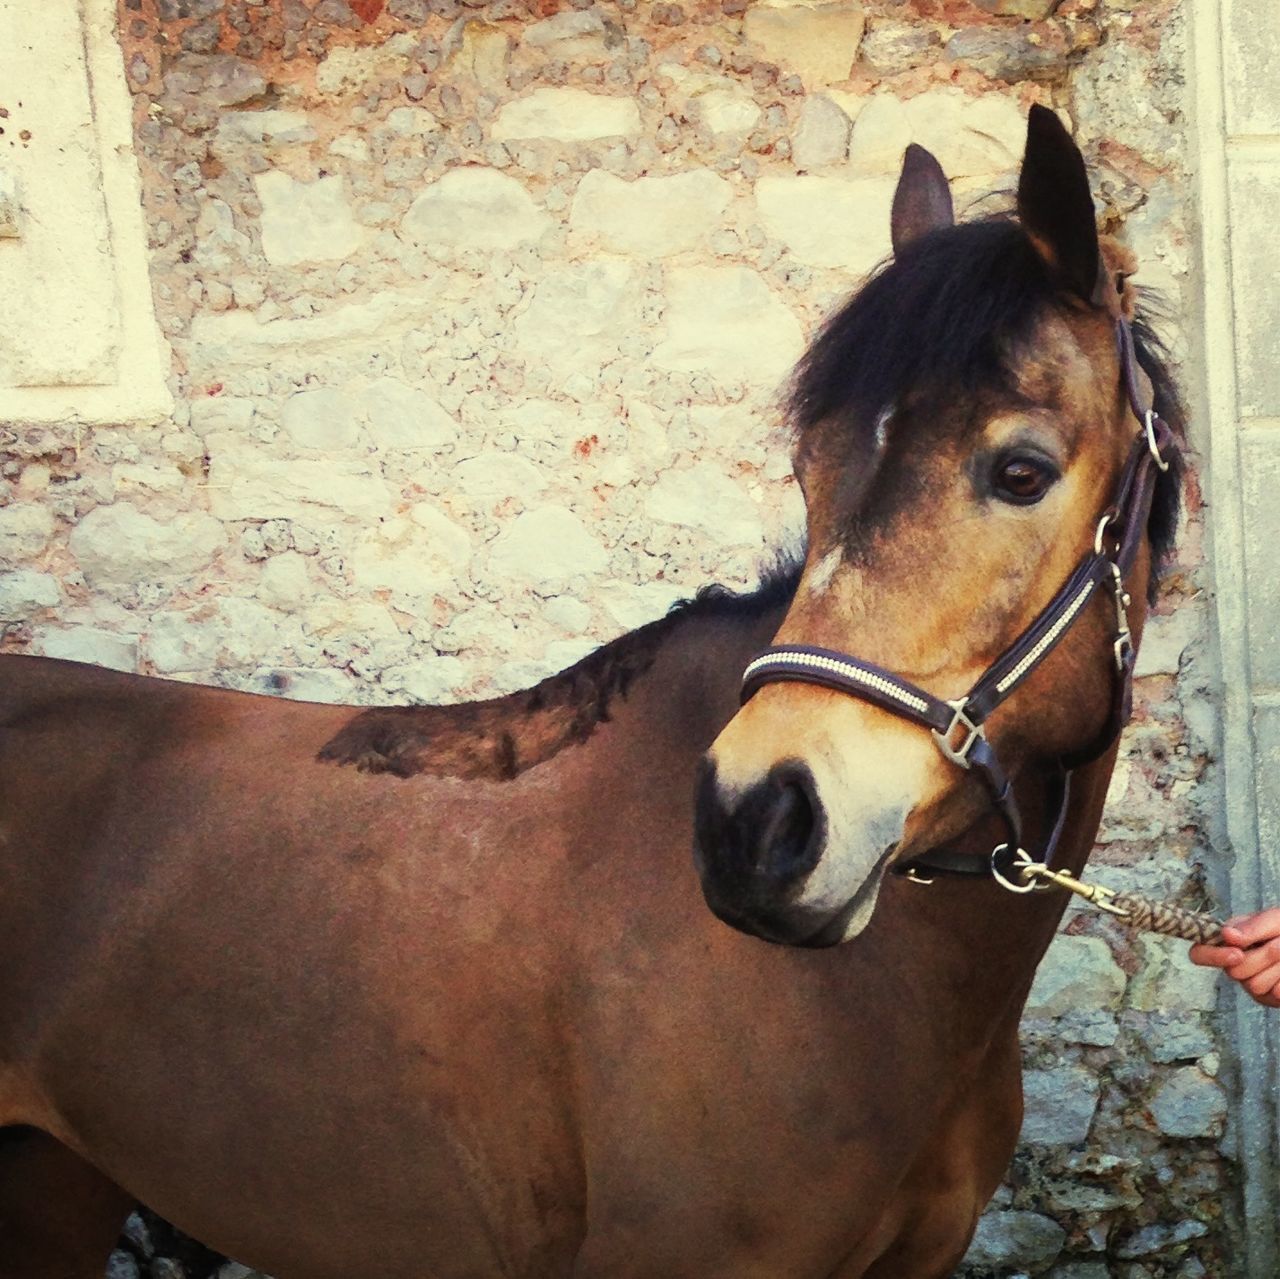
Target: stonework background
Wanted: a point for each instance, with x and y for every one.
(477, 313)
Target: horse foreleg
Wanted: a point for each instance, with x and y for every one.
(59, 1216)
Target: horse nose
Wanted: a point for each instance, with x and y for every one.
(759, 843)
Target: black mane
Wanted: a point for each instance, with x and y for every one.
(948, 315)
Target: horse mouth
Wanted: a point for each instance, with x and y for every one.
(805, 929)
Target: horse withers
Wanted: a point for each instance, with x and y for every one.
(434, 991)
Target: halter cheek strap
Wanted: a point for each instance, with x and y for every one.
(958, 725)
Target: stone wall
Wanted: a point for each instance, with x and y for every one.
(477, 313)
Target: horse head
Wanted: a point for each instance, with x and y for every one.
(961, 425)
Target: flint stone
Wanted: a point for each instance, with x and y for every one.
(576, 36)
(120, 1265)
(818, 43)
(1004, 1240)
(25, 530)
(547, 548)
(475, 208)
(566, 115)
(217, 79)
(1060, 1105)
(1157, 1238)
(725, 322)
(1007, 53)
(822, 136)
(89, 644)
(119, 545)
(1077, 973)
(326, 685)
(1190, 1104)
(829, 221)
(891, 47)
(703, 497)
(24, 592)
(652, 216)
(1175, 1037)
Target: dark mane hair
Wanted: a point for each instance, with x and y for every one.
(950, 314)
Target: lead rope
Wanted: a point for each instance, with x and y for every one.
(1140, 913)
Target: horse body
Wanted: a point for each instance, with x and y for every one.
(433, 991)
(321, 1027)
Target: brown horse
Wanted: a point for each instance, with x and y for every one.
(433, 991)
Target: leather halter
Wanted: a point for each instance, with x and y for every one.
(958, 725)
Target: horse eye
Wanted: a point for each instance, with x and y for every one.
(1022, 480)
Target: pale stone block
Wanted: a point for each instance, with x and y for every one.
(1060, 1103)
(248, 481)
(818, 43)
(822, 136)
(450, 543)
(1077, 972)
(430, 683)
(650, 217)
(400, 416)
(566, 115)
(25, 530)
(221, 413)
(284, 582)
(972, 137)
(306, 221)
(1168, 981)
(1030, 9)
(1029, 1241)
(632, 604)
(1254, 193)
(119, 545)
(496, 476)
(24, 592)
(578, 313)
(236, 339)
(1260, 473)
(92, 645)
(321, 418)
(718, 105)
(1190, 1104)
(547, 548)
(475, 208)
(725, 322)
(703, 497)
(827, 220)
(1251, 53)
(880, 137)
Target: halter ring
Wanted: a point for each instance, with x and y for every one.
(1149, 424)
(1020, 859)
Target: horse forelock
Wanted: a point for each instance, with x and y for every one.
(950, 317)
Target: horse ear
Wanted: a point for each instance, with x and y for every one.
(922, 202)
(1056, 207)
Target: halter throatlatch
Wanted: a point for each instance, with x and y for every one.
(958, 725)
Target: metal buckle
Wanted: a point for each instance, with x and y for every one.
(1123, 645)
(1149, 425)
(958, 754)
(1103, 524)
(1021, 859)
(913, 876)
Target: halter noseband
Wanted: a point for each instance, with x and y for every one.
(958, 725)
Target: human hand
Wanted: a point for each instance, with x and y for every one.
(1249, 954)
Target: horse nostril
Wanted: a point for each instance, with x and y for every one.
(786, 847)
(764, 839)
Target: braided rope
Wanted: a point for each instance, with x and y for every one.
(1173, 921)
